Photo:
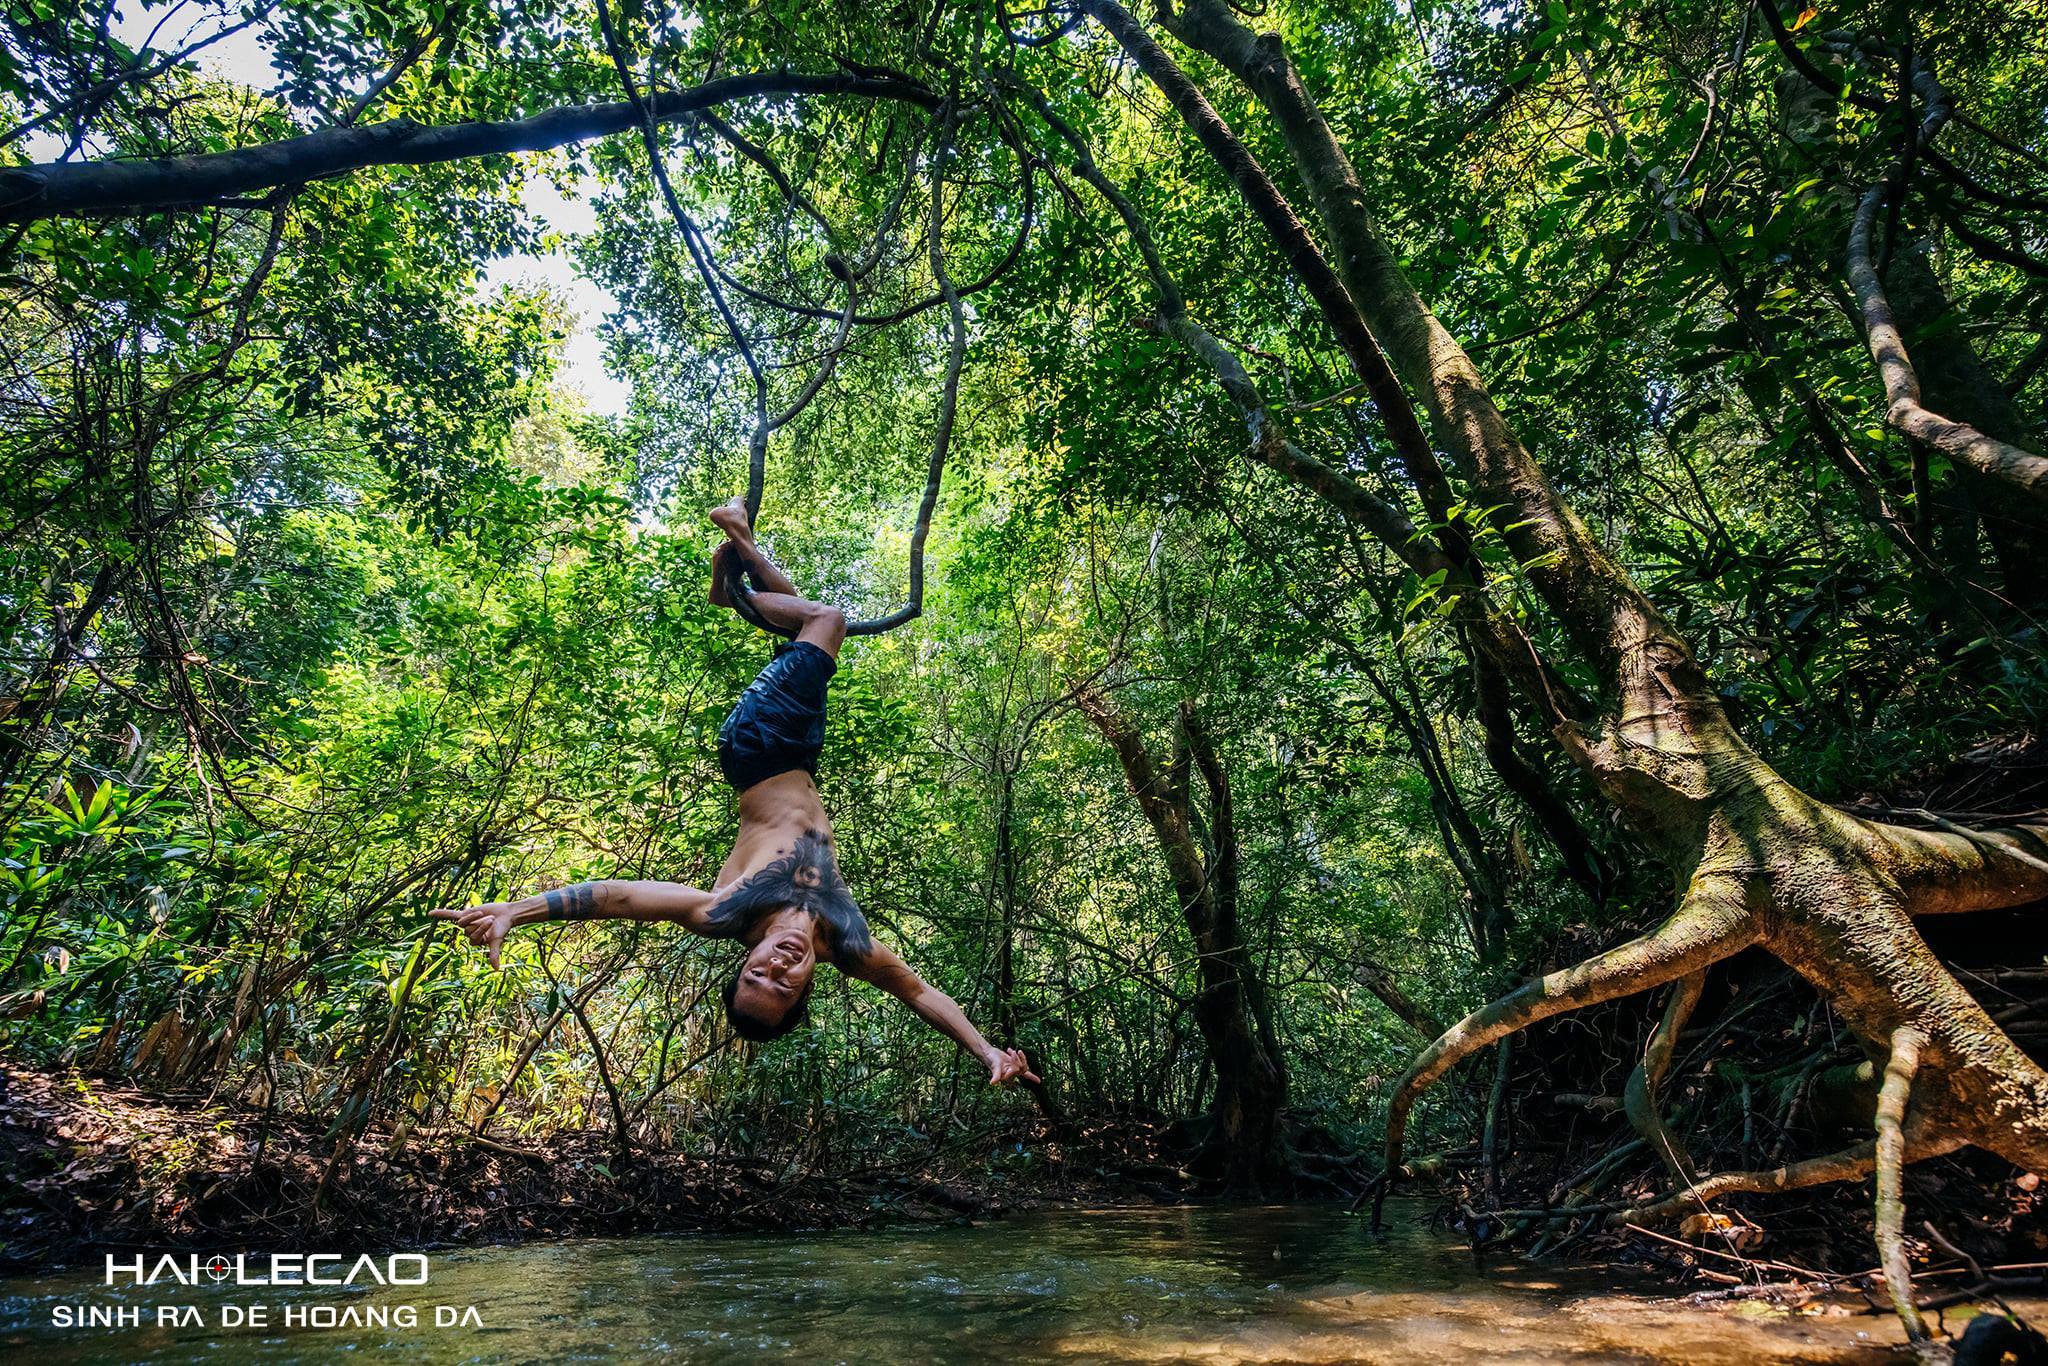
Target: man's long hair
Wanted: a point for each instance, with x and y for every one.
(758, 1031)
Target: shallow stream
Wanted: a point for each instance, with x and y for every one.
(1210, 1284)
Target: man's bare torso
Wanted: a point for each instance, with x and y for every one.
(774, 815)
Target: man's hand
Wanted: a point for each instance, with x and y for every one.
(1007, 1066)
(485, 925)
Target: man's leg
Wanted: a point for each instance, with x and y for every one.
(778, 601)
(731, 518)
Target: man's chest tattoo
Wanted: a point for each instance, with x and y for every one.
(806, 879)
(809, 869)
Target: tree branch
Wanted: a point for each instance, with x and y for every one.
(145, 185)
(2013, 465)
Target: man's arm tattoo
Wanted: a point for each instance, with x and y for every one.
(570, 903)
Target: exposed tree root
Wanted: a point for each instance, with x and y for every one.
(1640, 1100)
(1836, 914)
(1849, 1164)
(1706, 928)
(1890, 1153)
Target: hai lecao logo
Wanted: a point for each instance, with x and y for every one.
(278, 1268)
(284, 1309)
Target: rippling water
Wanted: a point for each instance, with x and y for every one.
(1216, 1284)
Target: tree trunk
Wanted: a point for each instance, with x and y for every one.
(1246, 1143)
(1757, 861)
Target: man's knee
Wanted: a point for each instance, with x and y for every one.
(823, 626)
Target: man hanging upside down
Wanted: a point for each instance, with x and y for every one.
(780, 892)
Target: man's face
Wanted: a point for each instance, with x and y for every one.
(775, 975)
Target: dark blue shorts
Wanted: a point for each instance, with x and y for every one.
(778, 725)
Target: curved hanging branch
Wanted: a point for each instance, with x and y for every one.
(792, 193)
(949, 398)
(765, 423)
(2023, 469)
(852, 274)
(737, 585)
(1018, 241)
(699, 249)
(700, 253)
(949, 402)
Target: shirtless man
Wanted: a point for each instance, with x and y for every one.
(779, 893)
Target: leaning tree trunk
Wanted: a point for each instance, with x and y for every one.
(1954, 380)
(1230, 1005)
(1756, 861)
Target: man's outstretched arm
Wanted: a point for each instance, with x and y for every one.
(885, 969)
(487, 925)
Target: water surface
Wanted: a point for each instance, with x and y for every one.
(1211, 1284)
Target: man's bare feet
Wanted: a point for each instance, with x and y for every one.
(763, 574)
(731, 518)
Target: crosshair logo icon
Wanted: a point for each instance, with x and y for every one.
(219, 1267)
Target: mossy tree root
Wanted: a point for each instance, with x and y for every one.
(1890, 1156)
(1711, 924)
(1639, 1097)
